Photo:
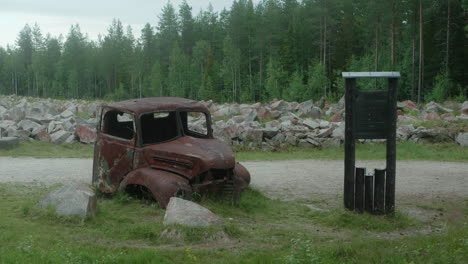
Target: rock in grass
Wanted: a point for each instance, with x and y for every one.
(462, 139)
(187, 213)
(8, 142)
(71, 200)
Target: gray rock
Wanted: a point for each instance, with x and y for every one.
(291, 140)
(462, 139)
(324, 124)
(339, 132)
(270, 132)
(8, 142)
(28, 125)
(252, 135)
(331, 142)
(311, 123)
(187, 213)
(70, 139)
(309, 143)
(3, 110)
(66, 114)
(55, 126)
(280, 105)
(404, 132)
(59, 137)
(435, 107)
(5, 124)
(422, 134)
(250, 117)
(17, 113)
(278, 139)
(71, 200)
(13, 131)
(305, 107)
(464, 108)
(69, 124)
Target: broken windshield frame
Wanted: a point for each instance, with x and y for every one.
(157, 127)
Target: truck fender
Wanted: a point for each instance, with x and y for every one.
(162, 184)
(241, 176)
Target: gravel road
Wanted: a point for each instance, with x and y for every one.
(291, 179)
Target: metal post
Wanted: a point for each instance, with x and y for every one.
(379, 191)
(369, 193)
(391, 148)
(359, 194)
(349, 180)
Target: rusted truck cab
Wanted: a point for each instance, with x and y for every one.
(163, 147)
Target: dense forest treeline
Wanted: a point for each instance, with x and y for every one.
(289, 49)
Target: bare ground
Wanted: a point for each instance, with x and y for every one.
(308, 180)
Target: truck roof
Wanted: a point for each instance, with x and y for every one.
(153, 104)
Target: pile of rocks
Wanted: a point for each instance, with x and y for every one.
(48, 120)
(267, 126)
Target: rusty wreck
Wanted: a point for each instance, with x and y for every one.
(163, 147)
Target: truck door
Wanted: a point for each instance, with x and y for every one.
(114, 149)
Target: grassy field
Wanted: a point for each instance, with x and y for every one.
(260, 230)
(405, 151)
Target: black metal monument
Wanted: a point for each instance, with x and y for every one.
(370, 115)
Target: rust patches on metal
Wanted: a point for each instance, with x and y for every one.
(137, 146)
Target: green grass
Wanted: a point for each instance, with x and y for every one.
(372, 151)
(260, 230)
(454, 125)
(38, 149)
(405, 151)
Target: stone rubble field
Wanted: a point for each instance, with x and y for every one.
(267, 126)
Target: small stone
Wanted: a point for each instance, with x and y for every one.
(71, 200)
(462, 139)
(187, 213)
(8, 142)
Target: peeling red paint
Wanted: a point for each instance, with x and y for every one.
(180, 166)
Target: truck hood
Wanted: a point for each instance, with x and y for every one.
(190, 156)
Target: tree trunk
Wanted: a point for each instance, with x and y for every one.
(413, 70)
(447, 56)
(393, 36)
(421, 53)
(376, 62)
(325, 42)
(321, 41)
(260, 73)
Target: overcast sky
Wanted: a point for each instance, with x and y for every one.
(94, 16)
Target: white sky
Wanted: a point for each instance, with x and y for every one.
(93, 16)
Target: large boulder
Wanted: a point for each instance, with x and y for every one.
(251, 116)
(5, 124)
(59, 137)
(462, 139)
(435, 107)
(29, 125)
(312, 124)
(67, 114)
(339, 132)
(3, 110)
(71, 200)
(280, 106)
(85, 134)
(13, 131)
(8, 142)
(187, 213)
(17, 113)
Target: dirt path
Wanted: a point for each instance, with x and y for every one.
(292, 179)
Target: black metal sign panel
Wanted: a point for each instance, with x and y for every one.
(371, 115)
